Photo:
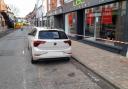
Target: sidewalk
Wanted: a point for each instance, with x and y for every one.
(110, 66)
(3, 33)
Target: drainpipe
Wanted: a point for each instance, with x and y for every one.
(126, 28)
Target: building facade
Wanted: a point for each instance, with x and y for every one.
(54, 15)
(2, 20)
(38, 19)
(6, 15)
(45, 10)
(99, 21)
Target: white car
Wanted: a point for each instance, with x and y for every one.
(48, 43)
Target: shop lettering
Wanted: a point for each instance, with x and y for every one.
(78, 2)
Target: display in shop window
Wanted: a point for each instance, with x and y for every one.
(90, 17)
(106, 15)
(70, 19)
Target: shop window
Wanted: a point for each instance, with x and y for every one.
(70, 19)
(101, 22)
(72, 22)
(89, 23)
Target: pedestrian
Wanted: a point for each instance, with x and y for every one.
(22, 29)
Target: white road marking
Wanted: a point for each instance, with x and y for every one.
(24, 83)
(23, 52)
(24, 78)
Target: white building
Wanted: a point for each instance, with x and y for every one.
(39, 13)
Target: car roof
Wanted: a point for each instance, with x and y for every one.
(46, 29)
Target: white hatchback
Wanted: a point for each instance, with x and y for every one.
(48, 43)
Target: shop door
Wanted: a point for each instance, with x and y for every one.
(96, 26)
(92, 26)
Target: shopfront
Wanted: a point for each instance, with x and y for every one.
(105, 23)
(101, 22)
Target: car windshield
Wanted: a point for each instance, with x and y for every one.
(52, 35)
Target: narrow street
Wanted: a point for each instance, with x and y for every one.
(17, 72)
(83, 44)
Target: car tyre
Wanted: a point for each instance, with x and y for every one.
(33, 61)
(67, 59)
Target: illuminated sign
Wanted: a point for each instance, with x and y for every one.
(78, 2)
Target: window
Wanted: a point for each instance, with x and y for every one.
(104, 23)
(52, 35)
(33, 32)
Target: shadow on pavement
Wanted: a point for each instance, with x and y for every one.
(52, 61)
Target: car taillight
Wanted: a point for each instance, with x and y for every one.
(68, 42)
(37, 43)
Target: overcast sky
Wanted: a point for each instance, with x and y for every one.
(24, 6)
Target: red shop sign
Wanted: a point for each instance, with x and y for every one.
(106, 17)
(89, 17)
(70, 19)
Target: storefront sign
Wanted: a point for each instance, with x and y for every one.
(78, 2)
(106, 16)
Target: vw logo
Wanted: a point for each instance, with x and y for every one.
(55, 43)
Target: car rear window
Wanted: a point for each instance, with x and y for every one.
(52, 35)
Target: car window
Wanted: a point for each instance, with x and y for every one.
(62, 35)
(52, 35)
(33, 32)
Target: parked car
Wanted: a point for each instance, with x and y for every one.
(48, 43)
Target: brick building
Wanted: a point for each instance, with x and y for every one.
(3, 7)
(7, 17)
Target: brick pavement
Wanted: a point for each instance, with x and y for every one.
(110, 66)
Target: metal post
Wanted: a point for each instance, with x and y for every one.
(95, 32)
(126, 28)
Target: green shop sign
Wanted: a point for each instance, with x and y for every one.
(78, 2)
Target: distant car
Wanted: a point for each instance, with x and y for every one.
(18, 25)
(48, 43)
(26, 23)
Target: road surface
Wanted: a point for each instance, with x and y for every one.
(17, 72)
